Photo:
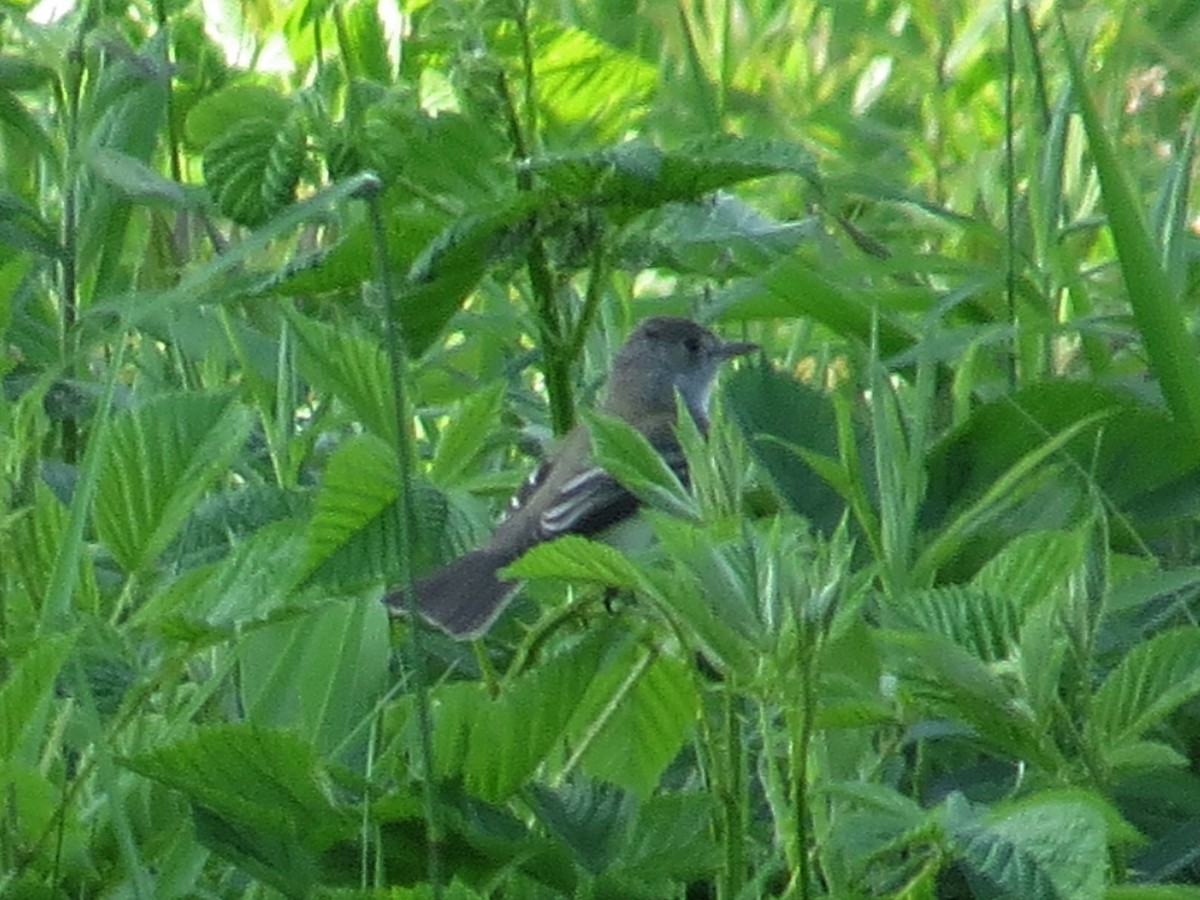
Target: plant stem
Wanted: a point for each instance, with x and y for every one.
(406, 516)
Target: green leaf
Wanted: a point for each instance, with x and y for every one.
(583, 81)
(513, 734)
(467, 435)
(961, 687)
(318, 675)
(636, 176)
(984, 623)
(352, 366)
(212, 117)
(635, 718)
(1043, 849)
(260, 798)
(1156, 308)
(252, 169)
(353, 536)
(627, 455)
(576, 558)
(22, 227)
(158, 461)
(780, 416)
(26, 697)
(1151, 682)
(137, 180)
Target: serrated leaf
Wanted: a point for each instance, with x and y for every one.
(353, 536)
(1151, 682)
(627, 455)
(637, 176)
(963, 688)
(253, 167)
(158, 460)
(635, 718)
(1033, 567)
(26, 695)
(576, 558)
(352, 366)
(260, 798)
(985, 623)
(466, 435)
(515, 732)
(212, 116)
(1042, 850)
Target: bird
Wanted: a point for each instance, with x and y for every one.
(568, 493)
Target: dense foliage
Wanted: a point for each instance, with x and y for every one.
(293, 295)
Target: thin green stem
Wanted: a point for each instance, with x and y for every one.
(406, 516)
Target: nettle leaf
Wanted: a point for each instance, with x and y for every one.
(583, 80)
(1043, 848)
(984, 623)
(351, 366)
(635, 718)
(639, 176)
(452, 265)
(261, 799)
(509, 737)
(627, 455)
(1151, 682)
(354, 534)
(158, 461)
(253, 168)
(26, 697)
(576, 558)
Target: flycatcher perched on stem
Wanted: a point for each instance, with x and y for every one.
(569, 493)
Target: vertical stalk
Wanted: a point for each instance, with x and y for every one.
(1010, 188)
(522, 129)
(735, 800)
(406, 456)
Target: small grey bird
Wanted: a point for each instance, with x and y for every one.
(569, 493)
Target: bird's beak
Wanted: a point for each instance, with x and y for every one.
(730, 349)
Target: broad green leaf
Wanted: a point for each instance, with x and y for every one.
(318, 675)
(577, 558)
(987, 624)
(585, 82)
(1152, 681)
(514, 733)
(672, 841)
(1043, 849)
(260, 798)
(961, 687)
(627, 455)
(350, 365)
(466, 435)
(778, 415)
(215, 114)
(354, 533)
(592, 819)
(1033, 567)
(635, 718)
(26, 696)
(253, 168)
(159, 460)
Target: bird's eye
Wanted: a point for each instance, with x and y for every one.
(692, 344)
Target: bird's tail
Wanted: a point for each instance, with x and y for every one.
(463, 597)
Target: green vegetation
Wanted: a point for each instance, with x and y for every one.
(292, 294)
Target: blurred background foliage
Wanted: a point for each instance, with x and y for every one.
(294, 295)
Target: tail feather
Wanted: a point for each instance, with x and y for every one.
(462, 598)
